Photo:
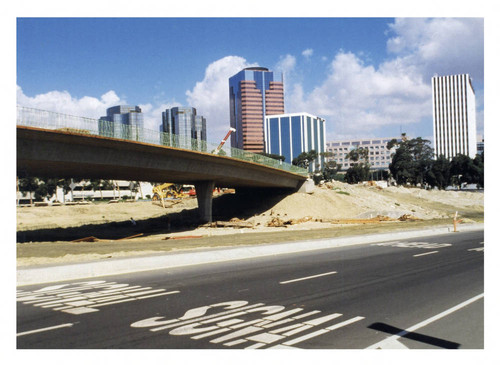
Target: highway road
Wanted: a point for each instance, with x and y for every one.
(425, 293)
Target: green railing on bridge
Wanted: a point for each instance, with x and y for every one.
(51, 120)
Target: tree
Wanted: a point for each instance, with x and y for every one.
(462, 169)
(65, 185)
(360, 168)
(46, 189)
(439, 174)
(96, 184)
(273, 156)
(327, 154)
(479, 164)
(392, 143)
(412, 161)
(331, 168)
(357, 173)
(51, 187)
(358, 155)
(40, 188)
(41, 191)
(28, 185)
(305, 158)
(465, 170)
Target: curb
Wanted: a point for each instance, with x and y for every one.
(92, 269)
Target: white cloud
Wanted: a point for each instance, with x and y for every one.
(210, 96)
(357, 97)
(307, 53)
(440, 45)
(89, 106)
(286, 64)
(63, 102)
(152, 113)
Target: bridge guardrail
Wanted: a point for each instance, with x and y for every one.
(31, 117)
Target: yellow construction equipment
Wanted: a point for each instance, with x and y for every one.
(167, 190)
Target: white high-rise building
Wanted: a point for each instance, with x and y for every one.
(289, 135)
(454, 115)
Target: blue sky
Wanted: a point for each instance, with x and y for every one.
(368, 77)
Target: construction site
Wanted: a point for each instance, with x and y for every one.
(66, 233)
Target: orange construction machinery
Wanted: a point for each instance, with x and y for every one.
(219, 147)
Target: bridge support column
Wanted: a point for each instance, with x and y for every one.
(204, 192)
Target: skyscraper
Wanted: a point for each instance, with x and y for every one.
(199, 131)
(253, 93)
(289, 135)
(454, 115)
(122, 121)
(181, 125)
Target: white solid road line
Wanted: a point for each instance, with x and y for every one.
(391, 342)
(308, 277)
(45, 329)
(425, 253)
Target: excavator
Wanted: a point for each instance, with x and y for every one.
(167, 190)
(219, 147)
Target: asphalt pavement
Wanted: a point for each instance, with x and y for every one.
(423, 292)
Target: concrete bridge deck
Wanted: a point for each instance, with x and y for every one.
(65, 154)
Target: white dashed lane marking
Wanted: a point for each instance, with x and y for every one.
(45, 329)
(425, 253)
(308, 277)
(478, 249)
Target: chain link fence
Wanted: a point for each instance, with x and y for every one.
(31, 117)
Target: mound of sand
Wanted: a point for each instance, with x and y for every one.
(327, 202)
(337, 200)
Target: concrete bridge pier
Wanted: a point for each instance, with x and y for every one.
(204, 195)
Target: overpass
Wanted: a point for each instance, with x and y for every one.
(57, 145)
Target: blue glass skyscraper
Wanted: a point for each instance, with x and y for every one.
(122, 121)
(181, 125)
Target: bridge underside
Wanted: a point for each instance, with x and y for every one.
(49, 153)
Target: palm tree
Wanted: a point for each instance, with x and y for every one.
(28, 185)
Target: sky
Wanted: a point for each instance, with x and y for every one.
(367, 77)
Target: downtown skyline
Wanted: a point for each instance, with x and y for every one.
(367, 77)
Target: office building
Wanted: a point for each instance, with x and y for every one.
(379, 157)
(289, 135)
(454, 116)
(253, 93)
(183, 126)
(122, 121)
(480, 144)
(199, 128)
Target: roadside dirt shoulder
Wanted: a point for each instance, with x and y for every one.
(62, 234)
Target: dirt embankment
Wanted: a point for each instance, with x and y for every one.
(44, 233)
